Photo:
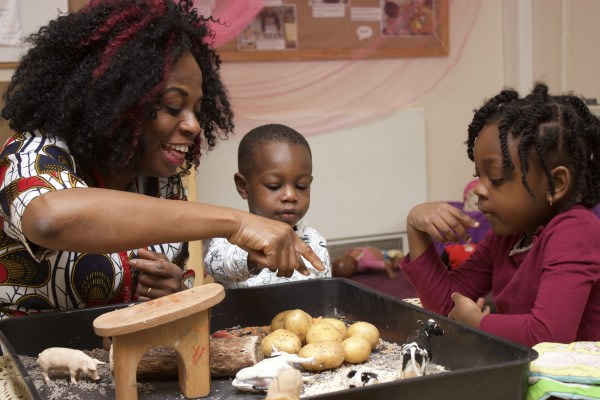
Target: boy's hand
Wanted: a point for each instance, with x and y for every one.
(467, 311)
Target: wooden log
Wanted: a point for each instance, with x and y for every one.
(226, 355)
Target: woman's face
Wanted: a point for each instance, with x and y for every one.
(279, 185)
(167, 138)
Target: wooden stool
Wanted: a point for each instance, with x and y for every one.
(180, 321)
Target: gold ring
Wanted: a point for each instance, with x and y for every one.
(148, 292)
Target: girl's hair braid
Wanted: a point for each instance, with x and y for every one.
(485, 113)
(560, 130)
(93, 77)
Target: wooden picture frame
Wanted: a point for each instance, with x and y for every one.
(344, 29)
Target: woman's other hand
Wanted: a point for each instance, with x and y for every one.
(157, 275)
(274, 245)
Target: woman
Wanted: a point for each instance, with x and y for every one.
(115, 103)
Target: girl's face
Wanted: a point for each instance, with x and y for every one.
(279, 185)
(169, 136)
(504, 200)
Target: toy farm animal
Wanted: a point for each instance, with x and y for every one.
(75, 361)
(356, 378)
(416, 351)
(286, 386)
(258, 377)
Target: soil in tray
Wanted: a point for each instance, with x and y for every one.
(384, 361)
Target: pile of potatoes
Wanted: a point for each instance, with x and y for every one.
(328, 340)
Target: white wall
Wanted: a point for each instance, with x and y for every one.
(364, 176)
(33, 14)
(448, 111)
(563, 38)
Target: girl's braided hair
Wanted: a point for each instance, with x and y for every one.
(559, 130)
(93, 77)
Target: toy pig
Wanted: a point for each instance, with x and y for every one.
(76, 361)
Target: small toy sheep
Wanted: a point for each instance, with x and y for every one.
(416, 351)
(258, 377)
(76, 361)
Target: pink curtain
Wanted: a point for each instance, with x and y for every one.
(234, 16)
(321, 96)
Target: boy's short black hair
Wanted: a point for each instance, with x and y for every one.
(265, 134)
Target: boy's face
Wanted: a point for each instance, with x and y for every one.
(504, 200)
(279, 185)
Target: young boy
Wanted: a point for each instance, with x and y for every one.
(274, 176)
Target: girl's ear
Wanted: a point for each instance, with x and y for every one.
(562, 183)
(241, 184)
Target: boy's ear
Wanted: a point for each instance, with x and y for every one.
(241, 184)
(562, 182)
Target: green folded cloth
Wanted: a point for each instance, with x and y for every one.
(577, 362)
(545, 388)
(566, 371)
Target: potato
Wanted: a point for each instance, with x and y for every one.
(323, 331)
(364, 330)
(298, 322)
(328, 354)
(283, 340)
(338, 323)
(356, 349)
(277, 321)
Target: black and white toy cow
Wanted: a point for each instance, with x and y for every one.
(416, 351)
(359, 378)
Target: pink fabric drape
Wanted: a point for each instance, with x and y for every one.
(321, 96)
(234, 16)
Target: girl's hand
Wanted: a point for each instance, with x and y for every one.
(273, 245)
(441, 221)
(467, 311)
(438, 221)
(158, 276)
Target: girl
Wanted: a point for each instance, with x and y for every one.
(537, 159)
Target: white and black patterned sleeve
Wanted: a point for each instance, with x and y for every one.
(318, 244)
(226, 262)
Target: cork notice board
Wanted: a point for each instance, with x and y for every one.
(343, 29)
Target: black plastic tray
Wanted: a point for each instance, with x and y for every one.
(481, 366)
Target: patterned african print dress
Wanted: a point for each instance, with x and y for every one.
(35, 279)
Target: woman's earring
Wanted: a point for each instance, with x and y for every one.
(549, 198)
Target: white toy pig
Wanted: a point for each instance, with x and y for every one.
(76, 361)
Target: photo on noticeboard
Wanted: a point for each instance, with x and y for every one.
(407, 18)
(274, 28)
(314, 2)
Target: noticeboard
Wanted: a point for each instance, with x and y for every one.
(342, 29)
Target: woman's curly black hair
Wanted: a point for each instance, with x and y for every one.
(561, 130)
(92, 77)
